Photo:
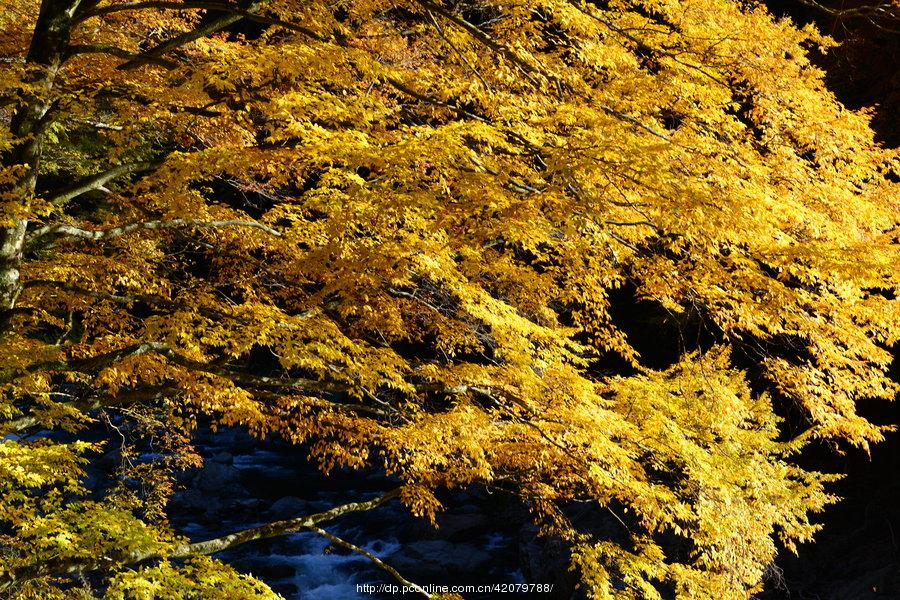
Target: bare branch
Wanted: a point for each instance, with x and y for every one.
(875, 10)
(378, 562)
(279, 527)
(98, 181)
(102, 234)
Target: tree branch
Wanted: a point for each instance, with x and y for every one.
(133, 95)
(457, 51)
(160, 4)
(278, 527)
(641, 44)
(529, 69)
(75, 289)
(215, 6)
(86, 365)
(122, 400)
(189, 36)
(151, 300)
(259, 384)
(90, 364)
(100, 124)
(80, 365)
(485, 39)
(96, 182)
(101, 234)
(78, 49)
(884, 10)
(378, 562)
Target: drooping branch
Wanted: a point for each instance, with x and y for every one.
(235, 14)
(98, 181)
(101, 234)
(249, 379)
(123, 399)
(644, 46)
(78, 365)
(634, 121)
(132, 94)
(263, 386)
(91, 364)
(224, 7)
(155, 301)
(405, 89)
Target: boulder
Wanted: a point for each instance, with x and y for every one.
(225, 458)
(289, 507)
(220, 479)
(461, 527)
(213, 488)
(438, 559)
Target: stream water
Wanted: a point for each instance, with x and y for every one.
(245, 483)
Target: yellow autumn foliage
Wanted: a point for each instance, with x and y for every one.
(445, 223)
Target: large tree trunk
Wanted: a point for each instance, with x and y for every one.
(28, 124)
